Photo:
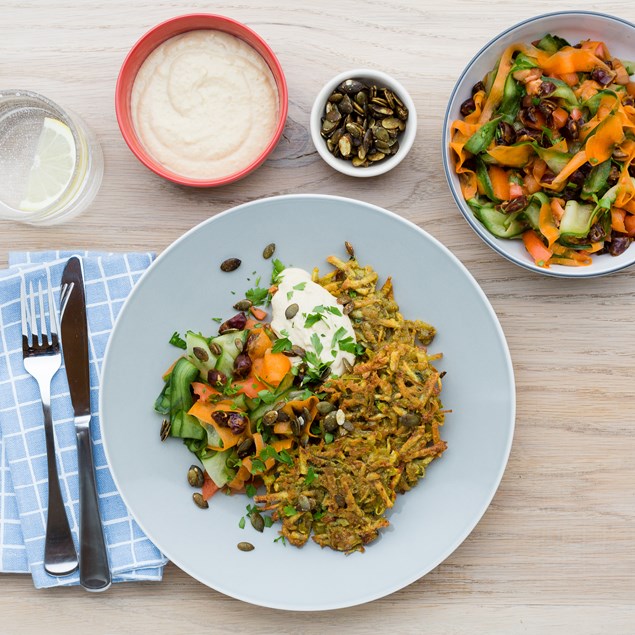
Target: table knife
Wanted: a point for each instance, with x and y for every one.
(94, 570)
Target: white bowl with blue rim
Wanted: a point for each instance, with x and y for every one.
(619, 36)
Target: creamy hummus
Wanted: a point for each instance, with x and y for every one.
(204, 104)
(296, 287)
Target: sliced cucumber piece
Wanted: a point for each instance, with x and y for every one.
(216, 467)
(577, 219)
(199, 353)
(229, 350)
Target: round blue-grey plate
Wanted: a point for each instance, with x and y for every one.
(184, 289)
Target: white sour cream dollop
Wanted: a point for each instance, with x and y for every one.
(296, 287)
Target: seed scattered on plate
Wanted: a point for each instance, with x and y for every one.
(231, 264)
(197, 497)
(269, 250)
(245, 546)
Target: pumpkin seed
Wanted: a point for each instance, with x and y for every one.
(241, 305)
(231, 264)
(340, 500)
(166, 426)
(268, 251)
(348, 367)
(291, 311)
(269, 418)
(329, 422)
(349, 249)
(200, 353)
(238, 343)
(410, 420)
(257, 521)
(340, 417)
(347, 425)
(197, 497)
(348, 307)
(362, 122)
(324, 407)
(244, 447)
(195, 476)
(245, 546)
(305, 503)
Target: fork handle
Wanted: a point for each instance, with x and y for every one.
(94, 570)
(60, 556)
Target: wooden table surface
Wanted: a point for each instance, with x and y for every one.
(555, 552)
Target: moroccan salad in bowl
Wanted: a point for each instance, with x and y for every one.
(541, 150)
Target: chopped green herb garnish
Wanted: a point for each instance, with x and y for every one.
(217, 320)
(317, 345)
(334, 310)
(328, 437)
(268, 521)
(267, 396)
(283, 344)
(241, 523)
(337, 336)
(257, 295)
(257, 466)
(178, 341)
(250, 490)
(289, 510)
(311, 319)
(300, 286)
(348, 345)
(278, 268)
(289, 295)
(310, 476)
(318, 515)
(280, 539)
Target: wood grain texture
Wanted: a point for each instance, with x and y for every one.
(555, 552)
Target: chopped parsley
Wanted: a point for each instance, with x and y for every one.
(257, 466)
(283, 344)
(311, 319)
(348, 345)
(317, 345)
(278, 268)
(257, 295)
(269, 452)
(178, 341)
(217, 320)
(289, 510)
(280, 539)
(250, 490)
(328, 437)
(241, 522)
(310, 476)
(300, 286)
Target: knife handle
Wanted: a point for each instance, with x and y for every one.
(94, 570)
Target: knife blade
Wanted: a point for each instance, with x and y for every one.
(94, 570)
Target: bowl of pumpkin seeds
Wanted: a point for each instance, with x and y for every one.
(363, 122)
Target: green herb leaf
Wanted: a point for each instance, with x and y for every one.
(268, 521)
(283, 344)
(318, 515)
(337, 336)
(278, 268)
(280, 539)
(310, 476)
(300, 286)
(317, 345)
(250, 490)
(289, 510)
(311, 319)
(328, 437)
(217, 320)
(257, 295)
(334, 310)
(257, 466)
(289, 295)
(267, 397)
(241, 523)
(349, 345)
(178, 341)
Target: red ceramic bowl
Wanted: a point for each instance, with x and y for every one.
(158, 35)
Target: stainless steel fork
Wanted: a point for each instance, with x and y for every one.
(42, 359)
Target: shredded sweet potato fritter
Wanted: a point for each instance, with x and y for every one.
(339, 492)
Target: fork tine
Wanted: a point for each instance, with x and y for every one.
(55, 325)
(43, 325)
(23, 312)
(32, 316)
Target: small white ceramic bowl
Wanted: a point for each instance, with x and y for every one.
(574, 26)
(406, 139)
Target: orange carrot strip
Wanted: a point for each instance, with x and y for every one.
(618, 217)
(536, 248)
(203, 410)
(274, 368)
(512, 156)
(500, 182)
(547, 225)
(575, 162)
(600, 146)
(203, 391)
(209, 487)
(629, 224)
(259, 314)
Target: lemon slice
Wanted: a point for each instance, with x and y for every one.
(53, 166)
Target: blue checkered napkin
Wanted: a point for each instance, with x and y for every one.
(23, 474)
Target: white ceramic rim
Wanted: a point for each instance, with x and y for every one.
(405, 142)
(555, 271)
(504, 459)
